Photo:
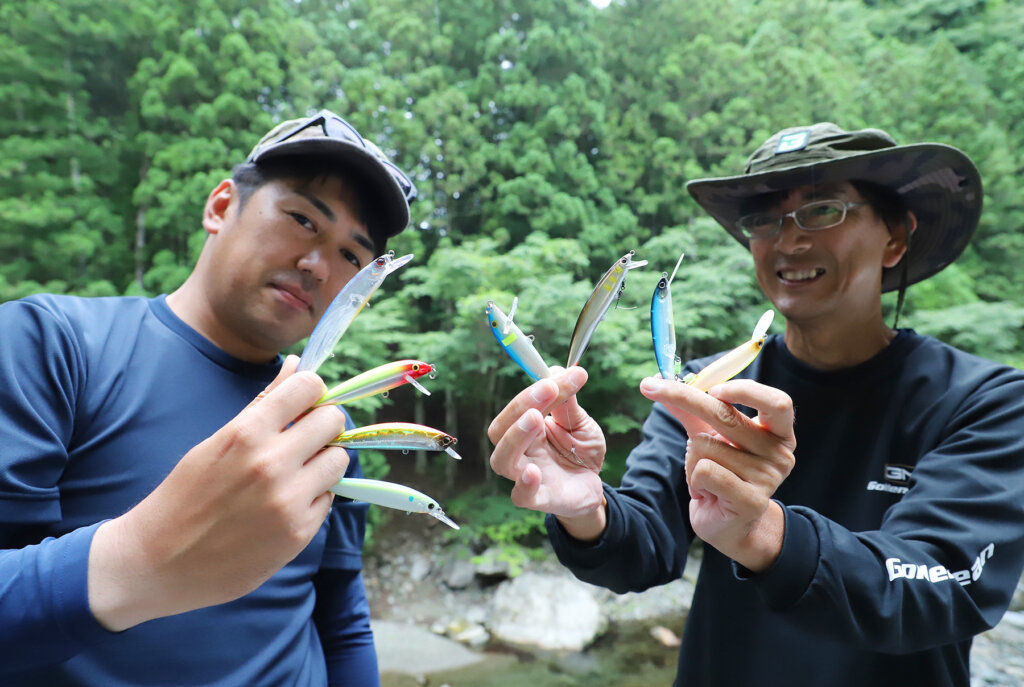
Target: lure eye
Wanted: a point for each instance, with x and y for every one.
(430, 506)
(494, 325)
(415, 368)
(380, 262)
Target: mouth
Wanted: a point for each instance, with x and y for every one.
(800, 276)
(294, 296)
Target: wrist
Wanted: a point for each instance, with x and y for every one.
(122, 592)
(587, 527)
(763, 543)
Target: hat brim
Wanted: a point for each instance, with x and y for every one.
(386, 195)
(938, 183)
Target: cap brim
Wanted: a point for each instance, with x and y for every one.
(939, 184)
(385, 193)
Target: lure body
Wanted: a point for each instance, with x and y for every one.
(518, 346)
(663, 329)
(735, 361)
(378, 380)
(605, 293)
(404, 436)
(344, 308)
(390, 495)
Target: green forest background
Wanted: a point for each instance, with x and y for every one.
(547, 138)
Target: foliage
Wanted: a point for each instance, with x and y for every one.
(490, 520)
(546, 139)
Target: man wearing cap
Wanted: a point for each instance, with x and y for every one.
(859, 489)
(164, 515)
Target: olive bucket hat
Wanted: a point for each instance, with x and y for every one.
(937, 182)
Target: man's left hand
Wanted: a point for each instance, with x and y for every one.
(734, 463)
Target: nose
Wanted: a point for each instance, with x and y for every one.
(314, 263)
(791, 239)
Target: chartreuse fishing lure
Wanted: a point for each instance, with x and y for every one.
(403, 436)
(344, 308)
(735, 361)
(608, 289)
(512, 340)
(390, 495)
(663, 328)
(379, 380)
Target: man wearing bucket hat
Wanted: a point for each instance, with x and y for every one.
(164, 514)
(858, 489)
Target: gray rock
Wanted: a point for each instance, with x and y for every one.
(413, 650)
(553, 612)
(420, 567)
(490, 564)
(459, 573)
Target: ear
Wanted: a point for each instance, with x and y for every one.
(218, 204)
(896, 247)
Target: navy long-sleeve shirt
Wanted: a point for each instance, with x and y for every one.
(99, 400)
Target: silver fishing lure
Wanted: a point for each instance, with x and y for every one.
(512, 340)
(608, 289)
(344, 308)
(390, 495)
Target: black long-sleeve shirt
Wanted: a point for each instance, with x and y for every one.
(904, 525)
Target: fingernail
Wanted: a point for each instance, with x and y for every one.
(541, 393)
(577, 378)
(652, 385)
(526, 422)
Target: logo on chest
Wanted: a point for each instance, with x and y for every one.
(895, 480)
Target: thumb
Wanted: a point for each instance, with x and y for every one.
(286, 371)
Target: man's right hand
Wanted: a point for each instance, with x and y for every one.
(553, 450)
(234, 511)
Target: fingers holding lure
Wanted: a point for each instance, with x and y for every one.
(379, 380)
(735, 361)
(390, 495)
(607, 291)
(663, 329)
(512, 340)
(403, 436)
(344, 308)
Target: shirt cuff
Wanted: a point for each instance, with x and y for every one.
(789, 577)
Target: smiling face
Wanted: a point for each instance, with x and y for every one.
(831, 275)
(272, 264)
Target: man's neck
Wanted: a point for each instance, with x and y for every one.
(825, 346)
(188, 302)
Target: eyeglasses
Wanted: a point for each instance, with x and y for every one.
(814, 216)
(334, 126)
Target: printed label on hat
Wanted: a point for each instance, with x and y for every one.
(793, 141)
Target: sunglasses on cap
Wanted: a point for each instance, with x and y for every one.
(333, 126)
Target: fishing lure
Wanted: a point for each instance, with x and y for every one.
(379, 380)
(390, 495)
(403, 436)
(344, 308)
(735, 361)
(512, 340)
(663, 328)
(608, 289)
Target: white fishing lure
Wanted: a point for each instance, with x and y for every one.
(390, 495)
